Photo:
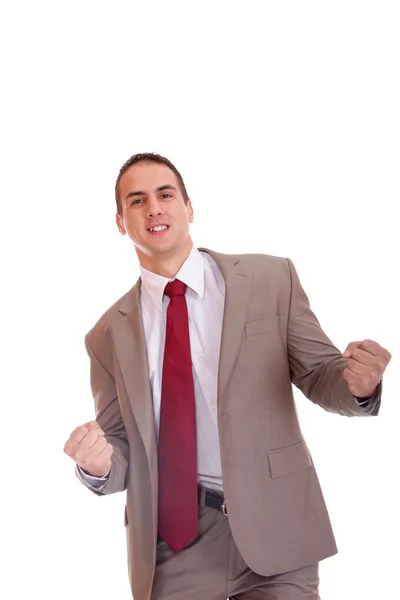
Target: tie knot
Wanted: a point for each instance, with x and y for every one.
(175, 288)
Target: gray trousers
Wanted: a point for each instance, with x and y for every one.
(211, 568)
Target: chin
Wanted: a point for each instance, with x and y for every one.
(156, 250)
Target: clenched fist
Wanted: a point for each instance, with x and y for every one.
(366, 363)
(88, 447)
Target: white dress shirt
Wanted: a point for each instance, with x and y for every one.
(205, 298)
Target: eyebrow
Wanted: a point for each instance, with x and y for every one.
(161, 188)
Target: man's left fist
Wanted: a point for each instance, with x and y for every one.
(366, 364)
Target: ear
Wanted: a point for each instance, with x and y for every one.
(120, 224)
(190, 211)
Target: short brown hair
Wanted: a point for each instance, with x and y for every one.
(146, 157)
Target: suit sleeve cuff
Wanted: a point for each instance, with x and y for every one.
(372, 403)
(96, 482)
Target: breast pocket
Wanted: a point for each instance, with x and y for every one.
(262, 326)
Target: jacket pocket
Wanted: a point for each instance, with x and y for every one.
(289, 460)
(262, 326)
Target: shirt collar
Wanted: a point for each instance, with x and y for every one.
(191, 273)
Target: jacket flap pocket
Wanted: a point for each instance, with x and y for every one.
(262, 325)
(292, 459)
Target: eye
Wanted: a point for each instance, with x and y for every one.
(166, 195)
(136, 201)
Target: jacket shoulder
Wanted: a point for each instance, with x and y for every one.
(275, 268)
(264, 261)
(269, 270)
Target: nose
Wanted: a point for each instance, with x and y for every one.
(154, 207)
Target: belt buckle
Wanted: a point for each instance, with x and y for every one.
(223, 509)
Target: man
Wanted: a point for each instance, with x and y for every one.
(192, 374)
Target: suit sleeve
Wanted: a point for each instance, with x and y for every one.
(109, 418)
(96, 484)
(316, 365)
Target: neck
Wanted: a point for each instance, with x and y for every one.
(165, 265)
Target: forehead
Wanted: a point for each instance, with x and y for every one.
(146, 176)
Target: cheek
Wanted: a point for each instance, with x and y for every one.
(133, 226)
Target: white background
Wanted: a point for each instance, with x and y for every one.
(284, 120)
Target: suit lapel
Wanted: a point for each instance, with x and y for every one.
(237, 295)
(130, 346)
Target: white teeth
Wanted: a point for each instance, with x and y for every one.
(159, 228)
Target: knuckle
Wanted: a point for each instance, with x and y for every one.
(77, 432)
(71, 450)
(373, 376)
(366, 345)
(78, 456)
(382, 365)
(90, 436)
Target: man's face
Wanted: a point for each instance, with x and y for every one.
(154, 214)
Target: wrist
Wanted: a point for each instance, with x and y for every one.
(95, 473)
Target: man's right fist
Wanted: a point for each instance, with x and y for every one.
(88, 447)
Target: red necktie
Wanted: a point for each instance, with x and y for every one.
(177, 458)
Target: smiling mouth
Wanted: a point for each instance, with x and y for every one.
(158, 229)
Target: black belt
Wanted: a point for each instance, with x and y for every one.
(212, 499)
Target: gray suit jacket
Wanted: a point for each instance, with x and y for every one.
(270, 339)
